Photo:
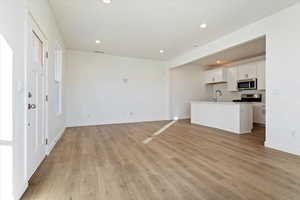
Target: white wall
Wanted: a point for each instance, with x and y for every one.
(282, 72)
(97, 91)
(43, 15)
(187, 83)
(12, 27)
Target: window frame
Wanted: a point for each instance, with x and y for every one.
(58, 65)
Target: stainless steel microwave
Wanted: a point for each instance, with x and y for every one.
(249, 84)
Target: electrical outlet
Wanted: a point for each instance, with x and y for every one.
(294, 133)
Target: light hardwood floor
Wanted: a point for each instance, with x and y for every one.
(187, 162)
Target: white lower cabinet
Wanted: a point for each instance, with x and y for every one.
(228, 116)
(259, 113)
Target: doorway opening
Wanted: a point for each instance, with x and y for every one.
(236, 74)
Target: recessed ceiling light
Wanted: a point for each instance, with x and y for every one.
(218, 62)
(98, 41)
(203, 25)
(161, 51)
(106, 1)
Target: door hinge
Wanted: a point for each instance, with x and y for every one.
(47, 55)
(46, 141)
(46, 98)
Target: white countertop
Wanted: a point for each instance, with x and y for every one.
(218, 102)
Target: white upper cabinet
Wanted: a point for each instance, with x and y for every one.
(261, 75)
(220, 75)
(232, 78)
(253, 70)
(216, 76)
(247, 71)
(209, 76)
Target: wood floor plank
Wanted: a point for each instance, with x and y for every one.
(187, 162)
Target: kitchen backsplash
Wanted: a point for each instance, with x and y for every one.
(229, 96)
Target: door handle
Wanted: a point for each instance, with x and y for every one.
(31, 106)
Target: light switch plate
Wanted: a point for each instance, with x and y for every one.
(275, 92)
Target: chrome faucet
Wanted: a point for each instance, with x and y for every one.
(218, 94)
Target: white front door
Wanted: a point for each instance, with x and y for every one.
(36, 92)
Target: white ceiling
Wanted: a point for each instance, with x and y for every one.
(140, 28)
(240, 52)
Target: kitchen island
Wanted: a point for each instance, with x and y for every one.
(228, 116)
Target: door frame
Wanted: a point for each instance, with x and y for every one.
(32, 25)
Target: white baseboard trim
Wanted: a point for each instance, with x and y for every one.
(56, 139)
(71, 125)
(184, 118)
(283, 147)
(20, 193)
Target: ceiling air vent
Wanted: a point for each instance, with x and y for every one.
(98, 51)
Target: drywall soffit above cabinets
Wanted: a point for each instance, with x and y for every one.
(241, 53)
